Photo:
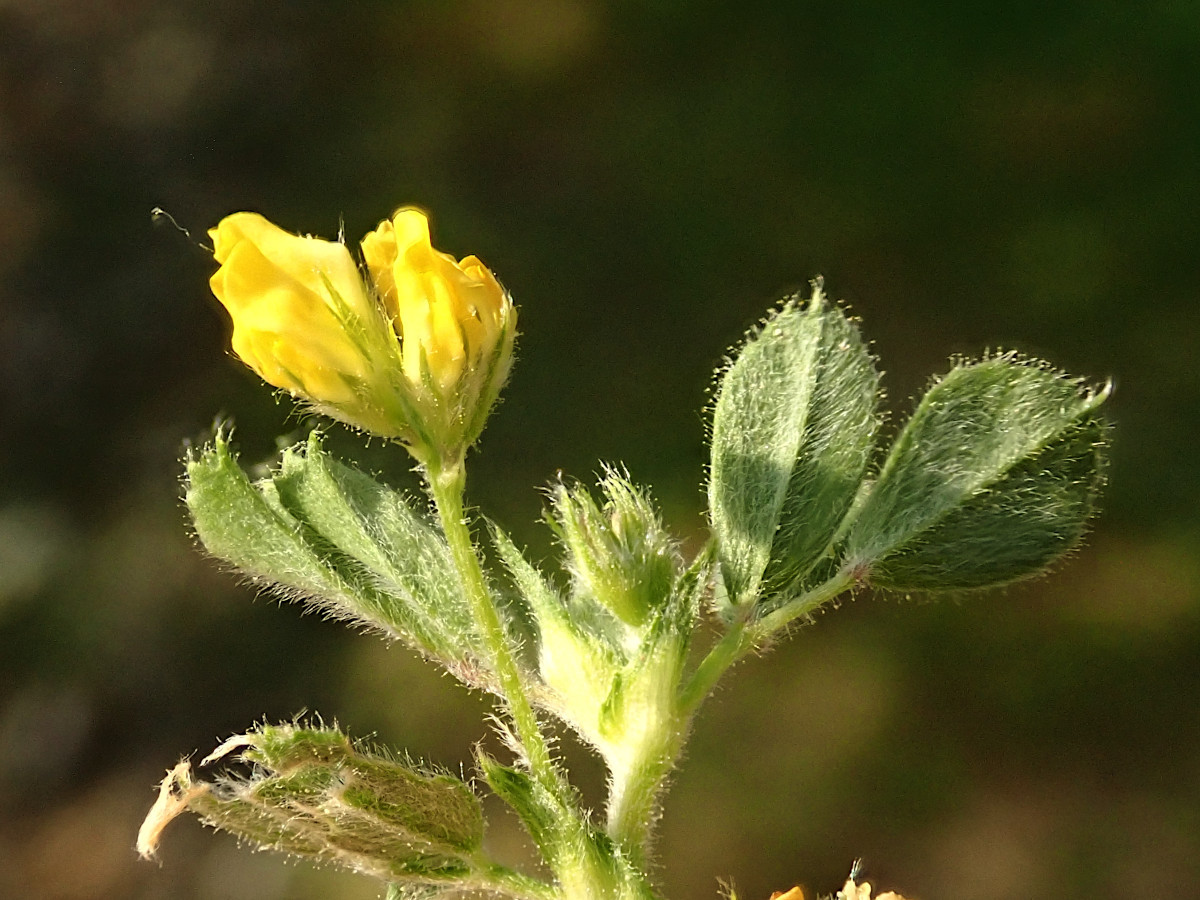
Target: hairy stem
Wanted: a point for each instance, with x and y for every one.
(725, 653)
(745, 633)
(801, 606)
(504, 880)
(633, 804)
(447, 486)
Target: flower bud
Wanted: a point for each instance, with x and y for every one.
(620, 555)
(417, 352)
(313, 793)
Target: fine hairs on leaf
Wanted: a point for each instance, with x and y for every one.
(793, 429)
(994, 476)
(325, 534)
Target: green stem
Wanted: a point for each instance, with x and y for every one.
(801, 606)
(725, 653)
(745, 633)
(504, 880)
(631, 806)
(447, 485)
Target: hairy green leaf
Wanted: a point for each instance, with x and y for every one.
(321, 532)
(993, 478)
(245, 525)
(394, 548)
(792, 433)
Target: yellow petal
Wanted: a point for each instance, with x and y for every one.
(305, 264)
(379, 252)
(418, 352)
(449, 315)
(289, 298)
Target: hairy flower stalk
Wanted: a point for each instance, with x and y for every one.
(993, 478)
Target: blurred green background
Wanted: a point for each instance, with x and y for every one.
(646, 177)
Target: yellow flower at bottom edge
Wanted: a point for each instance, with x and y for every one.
(852, 890)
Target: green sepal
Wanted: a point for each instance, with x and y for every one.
(579, 645)
(311, 792)
(535, 807)
(644, 692)
(993, 478)
(618, 690)
(326, 534)
(792, 433)
(538, 594)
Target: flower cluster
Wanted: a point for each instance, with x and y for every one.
(414, 347)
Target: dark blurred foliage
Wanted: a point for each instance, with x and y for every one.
(646, 178)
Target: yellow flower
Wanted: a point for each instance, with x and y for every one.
(417, 352)
(286, 295)
(450, 315)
